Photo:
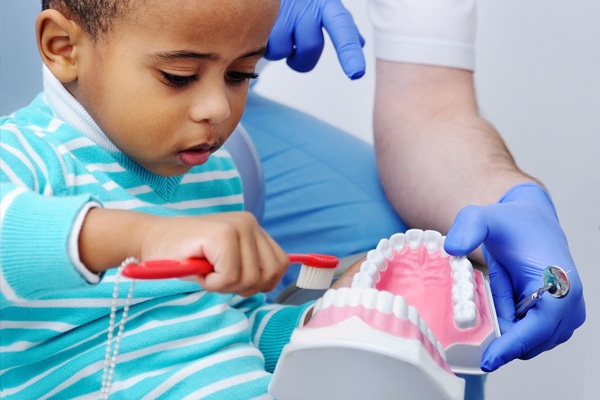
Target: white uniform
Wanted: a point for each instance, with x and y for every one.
(433, 32)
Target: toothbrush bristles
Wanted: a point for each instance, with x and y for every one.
(315, 278)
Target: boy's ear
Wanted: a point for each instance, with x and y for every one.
(59, 40)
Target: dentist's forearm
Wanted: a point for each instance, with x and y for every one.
(435, 153)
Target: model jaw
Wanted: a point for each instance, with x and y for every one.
(410, 277)
(413, 317)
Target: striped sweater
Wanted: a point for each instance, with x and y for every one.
(179, 341)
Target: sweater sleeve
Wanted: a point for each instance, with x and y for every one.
(39, 219)
(272, 325)
(32, 261)
(433, 32)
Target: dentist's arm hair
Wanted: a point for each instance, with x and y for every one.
(426, 120)
(435, 153)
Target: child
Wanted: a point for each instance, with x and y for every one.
(139, 97)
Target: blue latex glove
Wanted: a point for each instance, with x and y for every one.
(521, 236)
(298, 35)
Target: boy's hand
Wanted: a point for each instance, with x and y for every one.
(246, 259)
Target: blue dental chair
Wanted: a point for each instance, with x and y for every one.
(246, 158)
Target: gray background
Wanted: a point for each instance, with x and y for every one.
(537, 82)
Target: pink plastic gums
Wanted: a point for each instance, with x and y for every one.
(381, 321)
(425, 280)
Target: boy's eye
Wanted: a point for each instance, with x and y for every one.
(178, 80)
(241, 77)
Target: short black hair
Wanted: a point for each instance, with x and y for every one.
(96, 17)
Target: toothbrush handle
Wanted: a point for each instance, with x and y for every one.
(165, 269)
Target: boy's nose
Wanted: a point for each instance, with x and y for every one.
(211, 104)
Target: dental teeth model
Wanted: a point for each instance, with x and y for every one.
(412, 318)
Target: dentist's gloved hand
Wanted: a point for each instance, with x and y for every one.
(521, 236)
(298, 35)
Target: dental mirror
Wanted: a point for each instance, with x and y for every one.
(556, 282)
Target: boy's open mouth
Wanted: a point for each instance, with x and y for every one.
(193, 157)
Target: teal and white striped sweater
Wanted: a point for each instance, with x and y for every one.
(180, 341)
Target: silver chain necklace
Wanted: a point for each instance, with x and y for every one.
(113, 343)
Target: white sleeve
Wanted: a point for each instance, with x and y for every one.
(434, 32)
(73, 245)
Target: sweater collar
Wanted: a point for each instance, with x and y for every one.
(69, 110)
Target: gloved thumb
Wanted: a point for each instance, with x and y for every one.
(468, 231)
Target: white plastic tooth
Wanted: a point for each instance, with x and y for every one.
(317, 305)
(460, 263)
(354, 297)
(385, 300)
(398, 241)
(463, 291)
(442, 247)
(400, 308)
(455, 262)
(382, 268)
(441, 350)
(369, 268)
(341, 295)
(360, 280)
(423, 327)
(413, 315)
(432, 240)
(327, 298)
(462, 275)
(375, 257)
(384, 247)
(369, 298)
(414, 238)
(465, 314)
(431, 337)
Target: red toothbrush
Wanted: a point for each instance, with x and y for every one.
(316, 273)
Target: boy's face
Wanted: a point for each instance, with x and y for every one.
(169, 84)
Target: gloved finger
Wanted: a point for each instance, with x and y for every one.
(468, 231)
(533, 331)
(346, 39)
(556, 339)
(502, 292)
(281, 42)
(309, 43)
(567, 312)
